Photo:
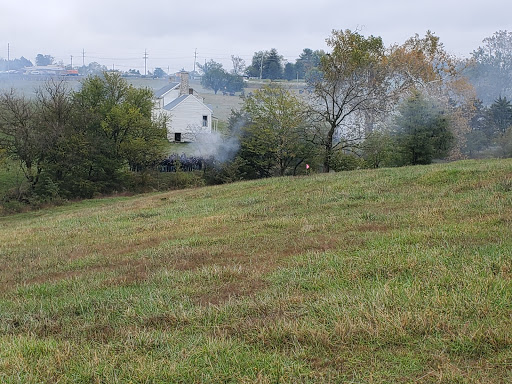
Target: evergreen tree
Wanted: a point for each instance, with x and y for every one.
(422, 131)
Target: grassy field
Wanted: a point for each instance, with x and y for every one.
(386, 276)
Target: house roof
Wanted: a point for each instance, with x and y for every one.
(162, 91)
(180, 99)
(175, 102)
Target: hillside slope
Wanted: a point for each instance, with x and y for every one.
(392, 275)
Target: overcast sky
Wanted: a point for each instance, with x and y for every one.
(115, 33)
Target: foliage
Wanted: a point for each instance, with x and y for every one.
(216, 78)
(308, 62)
(272, 65)
(423, 132)
(266, 65)
(351, 86)
(500, 115)
(44, 60)
(341, 161)
(491, 67)
(83, 143)
(92, 69)
(377, 149)
(289, 72)
(14, 64)
(159, 73)
(362, 82)
(272, 140)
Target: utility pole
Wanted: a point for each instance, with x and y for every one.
(83, 57)
(71, 61)
(195, 58)
(145, 61)
(8, 56)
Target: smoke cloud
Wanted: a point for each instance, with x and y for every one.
(221, 147)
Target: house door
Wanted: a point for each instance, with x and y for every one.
(177, 136)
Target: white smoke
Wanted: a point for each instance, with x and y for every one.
(215, 145)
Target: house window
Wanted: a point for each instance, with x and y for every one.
(205, 121)
(177, 136)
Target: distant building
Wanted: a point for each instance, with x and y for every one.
(49, 70)
(188, 116)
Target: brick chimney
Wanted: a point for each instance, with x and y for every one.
(184, 90)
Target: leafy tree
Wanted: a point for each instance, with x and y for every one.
(308, 62)
(44, 60)
(15, 64)
(271, 141)
(19, 137)
(256, 67)
(159, 73)
(217, 79)
(500, 115)
(377, 149)
(289, 71)
(352, 83)
(272, 65)
(93, 68)
(491, 69)
(361, 82)
(214, 76)
(234, 83)
(479, 137)
(422, 131)
(114, 124)
(30, 130)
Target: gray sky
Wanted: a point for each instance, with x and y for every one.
(115, 33)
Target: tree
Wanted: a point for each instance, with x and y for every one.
(44, 60)
(14, 64)
(214, 76)
(19, 137)
(93, 68)
(308, 62)
(272, 66)
(30, 130)
(238, 66)
(271, 141)
(116, 118)
(500, 115)
(361, 82)
(234, 83)
(491, 69)
(480, 134)
(289, 71)
(352, 85)
(422, 131)
(256, 67)
(217, 79)
(159, 73)
(377, 148)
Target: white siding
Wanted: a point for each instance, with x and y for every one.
(187, 119)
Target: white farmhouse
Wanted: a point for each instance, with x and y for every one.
(188, 116)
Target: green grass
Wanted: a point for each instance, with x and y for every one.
(387, 276)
